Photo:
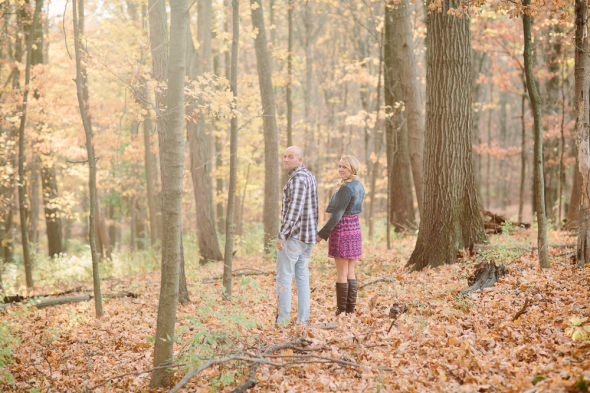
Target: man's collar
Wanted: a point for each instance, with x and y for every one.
(296, 170)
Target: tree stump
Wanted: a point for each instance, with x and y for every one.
(486, 274)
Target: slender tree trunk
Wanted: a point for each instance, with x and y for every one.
(22, 197)
(378, 141)
(410, 84)
(132, 224)
(535, 101)
(198, 144)
(149, 177)
(452, 219)
(171, 164)
(562, 140)
(233, 160)
(288, 92)
(502, 175)
(523, 157)
(582, 131)
(271, 139)
(83, 106)
(574, 205)
(34, 198)
(489, 157)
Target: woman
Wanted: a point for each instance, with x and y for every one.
(344, 232)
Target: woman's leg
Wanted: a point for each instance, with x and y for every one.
(350, 269)
(352, 288)
(341, 284)
(342, 270)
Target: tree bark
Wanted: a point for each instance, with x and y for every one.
(410, 85)
(535, 101)
(171, 164)
(271, 139)
(451, 220)
(582, 131)
(22, 194)
(83, 106)
(51, 208)
(233, 160)
(401, 210)
(198, 143)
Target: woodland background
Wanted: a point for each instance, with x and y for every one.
(104, 179)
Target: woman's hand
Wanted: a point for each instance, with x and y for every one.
(319, 239)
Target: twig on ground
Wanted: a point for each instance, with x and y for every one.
(382, 279)
(50, 371)
(134, 373)
(517, 258)
(239, 272)
(522, 310)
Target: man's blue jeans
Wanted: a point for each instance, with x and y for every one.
(293, 260)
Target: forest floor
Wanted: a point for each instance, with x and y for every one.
(442, 342)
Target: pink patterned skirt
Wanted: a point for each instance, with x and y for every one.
(346, 240)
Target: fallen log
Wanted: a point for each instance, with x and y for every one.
(44, 303)
(475, 248)
(493, 223)
(486, 274)
(19, 298)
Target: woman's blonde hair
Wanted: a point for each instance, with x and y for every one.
(354, 165)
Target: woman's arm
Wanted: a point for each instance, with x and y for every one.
(343, 198)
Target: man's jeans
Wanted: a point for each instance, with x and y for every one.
(294, 259)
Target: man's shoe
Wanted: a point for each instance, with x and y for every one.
(351, 299)
(341, 297)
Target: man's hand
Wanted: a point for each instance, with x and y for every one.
(280, 245)
(319, 239)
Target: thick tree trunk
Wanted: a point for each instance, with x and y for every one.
(401, 201)
(535, 101)
(199, 152)
(51, 208)
(22, 197)
(83, 106)
(171, 164)
(233, 160)
(271, 139)
(450, 220)
(582, 131)
(410, 84)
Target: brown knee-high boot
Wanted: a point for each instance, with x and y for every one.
(341, 297)
(351, 299)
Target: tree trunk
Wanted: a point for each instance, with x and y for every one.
(582, 131)
(489, 157)
(51, 208)
(22, 197)
(83, 106)
(132, 214)
(401, 210)
(478, 60)
(34, 198)
(410, 84)
(199, 142)
(452, 219)
(574, 205)
(271, 142)
(171, 164)
(288, 91)
(523, 157)
(535, 101)
(233, 160)
(149, 177)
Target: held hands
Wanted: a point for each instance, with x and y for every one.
(280, 245)
(319, 239)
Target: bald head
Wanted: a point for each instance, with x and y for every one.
(292, 158)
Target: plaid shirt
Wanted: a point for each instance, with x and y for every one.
(300, 207)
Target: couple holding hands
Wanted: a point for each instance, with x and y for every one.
(299, 232)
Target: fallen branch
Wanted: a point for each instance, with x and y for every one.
(239, 272)
(523, 310)
(485, 247)
(68, 300)
(395, 312)
(250, 382)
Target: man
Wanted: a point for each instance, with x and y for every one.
(297, 235)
